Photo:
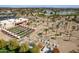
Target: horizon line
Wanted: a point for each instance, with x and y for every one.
(39, 6)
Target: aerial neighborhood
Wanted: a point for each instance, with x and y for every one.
(39, 30)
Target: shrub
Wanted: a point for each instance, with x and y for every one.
(24, 47)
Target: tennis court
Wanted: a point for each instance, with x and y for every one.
(21, 31)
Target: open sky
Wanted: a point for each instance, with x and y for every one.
(39, 6)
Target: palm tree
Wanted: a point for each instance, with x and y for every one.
(57, 27)
(70, 34)
(65, 26)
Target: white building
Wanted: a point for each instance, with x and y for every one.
(11, 22)
(20, 20)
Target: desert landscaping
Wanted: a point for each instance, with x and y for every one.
(50, 31)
